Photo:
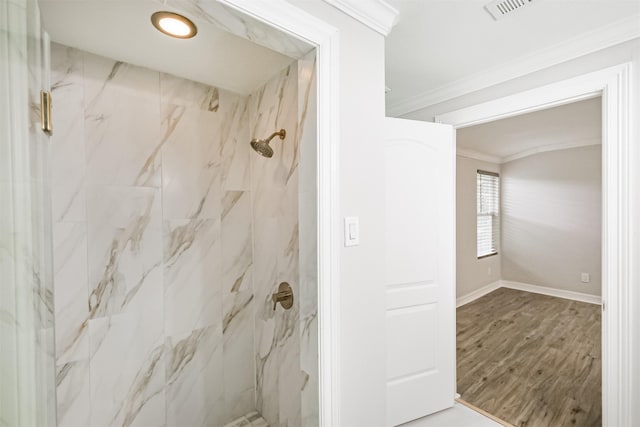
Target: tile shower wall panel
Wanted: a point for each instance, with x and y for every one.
(71, 285)
(170, 237)
(236, 22)
(153, 255)
(275, 218)
(68, 157)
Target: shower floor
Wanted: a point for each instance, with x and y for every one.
(252, 419)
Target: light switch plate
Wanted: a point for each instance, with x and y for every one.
(351, 231)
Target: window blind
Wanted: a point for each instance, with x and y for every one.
(488, 223)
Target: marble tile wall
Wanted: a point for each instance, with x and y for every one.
(236, 22)
(274, 187)
(152, 247)
(169, 237)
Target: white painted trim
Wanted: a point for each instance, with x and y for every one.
(527, 287)
(567, 91)
(477, 155)
(617, 220)
(601, 38)
(473, 154)
(378, 15)
(552, 292)
(298, 23)
(478, 293)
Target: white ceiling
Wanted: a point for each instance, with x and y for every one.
(122, 30)
(571, 125)
(438, 42)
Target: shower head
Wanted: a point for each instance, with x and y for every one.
(261, 146)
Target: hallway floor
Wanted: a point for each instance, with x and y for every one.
(531, 360)
(457, 416)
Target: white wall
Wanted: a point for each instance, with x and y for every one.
(362, 370)
(551, 219)
(361, 111)
(471, 273)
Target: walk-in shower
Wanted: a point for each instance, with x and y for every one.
(167, 237)
(262, 147)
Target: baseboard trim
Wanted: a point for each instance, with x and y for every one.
(560, 293)
(478, 293)
(527, 287)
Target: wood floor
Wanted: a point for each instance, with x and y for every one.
(531, 360)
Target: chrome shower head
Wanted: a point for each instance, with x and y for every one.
(261, 146)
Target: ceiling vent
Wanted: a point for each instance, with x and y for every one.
(499, 9)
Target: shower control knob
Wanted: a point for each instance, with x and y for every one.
(284, 296)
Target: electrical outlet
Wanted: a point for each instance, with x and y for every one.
(584, 277)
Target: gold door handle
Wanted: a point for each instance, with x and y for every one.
(284, 296)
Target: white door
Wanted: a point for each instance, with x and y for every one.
(420, 268)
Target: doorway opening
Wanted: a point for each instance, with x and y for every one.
(613, 85)
(529, 203)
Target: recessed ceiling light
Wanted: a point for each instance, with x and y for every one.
(174, 25)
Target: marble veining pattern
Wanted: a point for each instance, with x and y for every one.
(126, 369)
(71, 296)
(275, 217)
(237, 332)
(68, 159)
(171, 235)
(237, 258)
(235, 22)
(74, 393)
(192, 254)
(121, 111)
(191, 174)
(193, 370)
(235, 150)
(124, 250)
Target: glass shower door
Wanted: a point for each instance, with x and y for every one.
(27, 375)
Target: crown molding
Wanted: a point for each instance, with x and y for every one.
(477, 155)
(619, 32)
(554, 147)
(484, 157)
(378, 15)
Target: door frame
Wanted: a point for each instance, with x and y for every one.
(297, 23)
(614, 85)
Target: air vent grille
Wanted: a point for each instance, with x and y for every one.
(499, 9)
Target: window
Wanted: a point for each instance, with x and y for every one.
(488, 220)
